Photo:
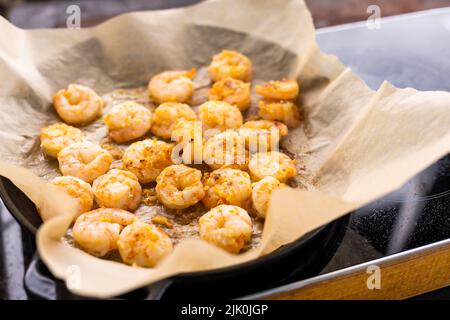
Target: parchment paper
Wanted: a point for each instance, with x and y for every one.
(363, 144)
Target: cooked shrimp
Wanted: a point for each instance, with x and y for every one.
(77, 189)
(226, 149)
(263, 135)
(147, 158)
(220, 115)
(226, 186)
(189, 135)
(97, 231)
(230, 64)
(233, 91)
(274, 164)
(261, 193)
(285, 111)
(117, 189)
(228, 227)
(84, 160)
(57, 136)
(278, 89)
(143, 244)
(179, 186)
(167, 115)
(172, 86)
(128, 121)
(77, 104)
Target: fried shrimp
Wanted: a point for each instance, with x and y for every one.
(77, 104)
(285, 111)
(179, 186)
(77, 189)
(167, 115)
(226, 149)
(128, 121)
(274, 164)
(226, 186)
(228, 227)
(220, 115)
(189, 135)
(143, 244)
(263, 135)
(84, 160)
(278, 89)
(147, 158)
(233, 91)
(261, 193)
(172, 86)
(57, 136)
(117, 189)
(230, 64)
(97, 231)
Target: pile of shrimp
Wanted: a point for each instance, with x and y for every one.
(240, 164)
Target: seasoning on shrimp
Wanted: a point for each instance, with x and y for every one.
(263, 135)
(230, 64)
(220, 115)
(172, 86)
(57, 136)
(278, 89)
(189, 138)
(77, 189)
(233, 91)
(261, 192)
(226, 149)
(167, 115)
(285, 111)
(274, 164)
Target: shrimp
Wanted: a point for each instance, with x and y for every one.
(226, 186)
(172, 86)
(84, 160)
(77, 104)
(220, 115)
(179, 186)
(189, 135)
(57, 136)
(278, 89)
(128, 121)
(147, 158)
(226, 149)
(285, 111)
(230, 64)
(77, 189)
(167, 115)
(233, 91)
(263, 135)
(261, 193)
(274, 164)
(117, 189)
(97, 231)
(228, 227)
(143, 244)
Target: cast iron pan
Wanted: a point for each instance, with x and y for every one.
(298, 260)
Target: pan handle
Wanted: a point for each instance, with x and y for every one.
(37, 283)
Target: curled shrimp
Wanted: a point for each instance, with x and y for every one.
(77, 104)
(226, 149)
(263, 135)
(128, 121)
(84, 160)
(57, 136)
(220, 115)
(233, 91)
(230, 64)
(274, 164)
(179, 186)
(261, 193)
(77, 189)
(97, 231)
(143, 244)
(167, 115)
(226, 226)
(117, 189)
(226, 186)
(285, 111)
(278, 89)
(172, 86)
(188, 135)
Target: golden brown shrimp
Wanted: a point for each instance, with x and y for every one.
(233, 91)
(143, 245)
(77, 104)
(179, 186)
(147, 158)
(220, 115)
(188, 134)
(167, 115)
(128, 121)
(230, 64)
(263, 135)
(228, 227)
(57, 136)
(226, 149)
(84, 160)
(261, 192)
(278, 89)
(172, 86)
(97, 231)
(285, 111)
(274, 164)
(77, 189)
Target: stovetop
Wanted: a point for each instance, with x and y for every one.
(409, 51)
